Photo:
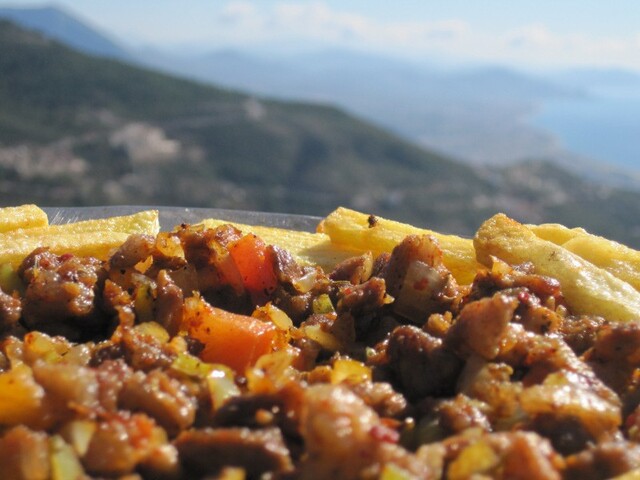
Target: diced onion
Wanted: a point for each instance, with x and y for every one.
(64, 462)
(273, 314)
(325, 339)
(79, 434)
(349, 370)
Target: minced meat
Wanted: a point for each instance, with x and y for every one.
(382, 368)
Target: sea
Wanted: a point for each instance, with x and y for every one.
(603, 126)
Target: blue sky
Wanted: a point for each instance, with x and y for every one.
(527, 33)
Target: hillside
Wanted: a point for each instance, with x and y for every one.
(474, 113)
(85, 130)
(82, 130)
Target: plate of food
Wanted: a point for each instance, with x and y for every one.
(179, 343)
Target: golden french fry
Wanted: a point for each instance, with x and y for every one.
(363, 232)
(306, 247)
(618, 259)
(146, 221)
(95, 238)
(587, 288)
(555, 232)
(23, 216)
(95, 244)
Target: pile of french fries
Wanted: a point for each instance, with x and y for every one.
(598, 276)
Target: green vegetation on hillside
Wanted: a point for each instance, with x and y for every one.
(45, 87)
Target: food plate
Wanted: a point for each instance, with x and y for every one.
(172, 216)
(201, 353)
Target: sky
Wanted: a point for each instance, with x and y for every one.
(536, 33)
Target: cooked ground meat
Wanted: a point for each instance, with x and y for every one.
(461, 413)
(421, 364)
(580, 332)
(24, 454)
(383, 368)
(60, 292)
(367, 297)
(354, 270)
(418, 280)
(605, 460)
(381, 396)
(120, 443)
(161, 397)
(483, 326)
(344, 438)
(169, 300)
(10, 310)
(208, 450)
(135, 249)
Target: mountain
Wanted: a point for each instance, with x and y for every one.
(80, 130)
(56, 23)
(83, 130)
(474, 114)
(616, 81)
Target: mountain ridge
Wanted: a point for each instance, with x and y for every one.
(56, 23)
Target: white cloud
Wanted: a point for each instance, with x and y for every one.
(316, 21)
(239, 14)
(238, 9)
(319, 22)
(528, 36)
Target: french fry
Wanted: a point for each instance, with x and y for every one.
(95, 238)
(360, 231)
(618, 259)
(555, 232)
(145, 221)
(306, 247)
(23, 216)
(96, 244)
(587, 288)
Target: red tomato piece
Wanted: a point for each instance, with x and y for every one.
(229, 338)
(255, 263)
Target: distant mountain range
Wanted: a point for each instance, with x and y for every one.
(610, 80)
(473, 114)
(77, 129)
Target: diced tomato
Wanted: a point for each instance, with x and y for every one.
(255, 263)
(229, 338)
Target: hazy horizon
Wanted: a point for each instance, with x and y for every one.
(544, 34)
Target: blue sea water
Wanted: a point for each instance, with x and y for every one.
(605, 128)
